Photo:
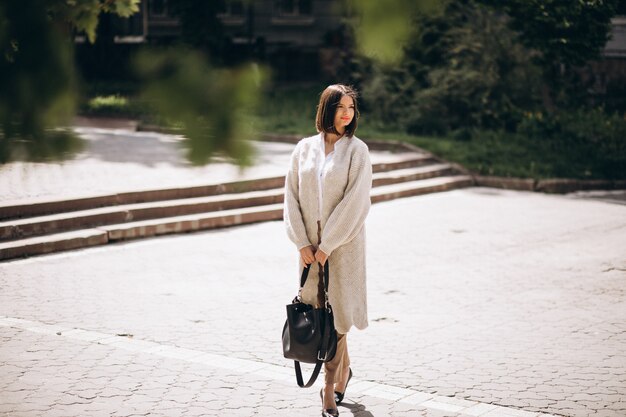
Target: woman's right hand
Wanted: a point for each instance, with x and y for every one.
(307, 254)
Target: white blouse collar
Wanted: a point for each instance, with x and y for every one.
(341, 140)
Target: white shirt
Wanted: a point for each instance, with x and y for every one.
(321, 172)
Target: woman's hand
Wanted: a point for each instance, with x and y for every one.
(321, 257)
(307, 254)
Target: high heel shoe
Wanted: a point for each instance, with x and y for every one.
(339, 395)
(328, 412)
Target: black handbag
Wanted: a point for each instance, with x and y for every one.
(309, 333)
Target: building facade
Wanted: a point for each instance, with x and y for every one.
(298, 38)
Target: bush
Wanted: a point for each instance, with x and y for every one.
(464, 69)
(589, 137)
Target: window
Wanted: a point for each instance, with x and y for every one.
(158, 7)
(288, 8)
(231, 12)
(130, 29)
(231, 8)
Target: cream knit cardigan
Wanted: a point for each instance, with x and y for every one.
(346, 201)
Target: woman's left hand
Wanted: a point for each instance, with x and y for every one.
(321, 257)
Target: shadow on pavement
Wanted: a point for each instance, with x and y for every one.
(357, 410)
(607, 196)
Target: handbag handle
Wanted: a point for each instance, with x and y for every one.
(305, 275)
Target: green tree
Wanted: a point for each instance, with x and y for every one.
(482, 63)
(567, 34)
(485, 78)
(464, 68)
(562, 34)
(37, 76)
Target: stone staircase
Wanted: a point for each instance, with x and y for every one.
(53, 226)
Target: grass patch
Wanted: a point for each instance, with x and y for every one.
(509, 155)
(113, 105)
(513, 155)
(289, 110)
(108, 103)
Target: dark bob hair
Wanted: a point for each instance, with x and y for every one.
(327, 107)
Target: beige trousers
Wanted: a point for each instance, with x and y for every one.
(341, 361)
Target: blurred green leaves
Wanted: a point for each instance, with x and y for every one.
(382, 28)
(37, 75)
(39, 88)
(83, 14)
(37, 82)
(214, 106)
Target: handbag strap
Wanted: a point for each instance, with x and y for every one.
(305, 275)
(316, 372)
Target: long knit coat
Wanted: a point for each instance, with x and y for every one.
(346, 201)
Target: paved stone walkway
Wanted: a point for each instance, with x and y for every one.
(117, 160)
(481, 301)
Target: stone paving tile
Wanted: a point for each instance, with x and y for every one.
(518, 297)
(127, 395)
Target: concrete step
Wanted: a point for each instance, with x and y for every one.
(203, 221)
(38, 207)
(411, 174)
(192, 223)
(53, 243)
(413, 188)
(402, 161)
(74, 220)
(117, 214)
(112, 233)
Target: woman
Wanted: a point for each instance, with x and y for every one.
(327, 198)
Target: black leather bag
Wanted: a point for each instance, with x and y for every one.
(309, 333)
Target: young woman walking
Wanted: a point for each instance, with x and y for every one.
(327, 198)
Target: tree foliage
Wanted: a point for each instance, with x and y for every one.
(37, 76)
(83, 14)
(38, 79)
(484, 63)
(566, 35)
(213, 106)
(569, 32)
(464, 68)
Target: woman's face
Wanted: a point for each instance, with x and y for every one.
(344, 113)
